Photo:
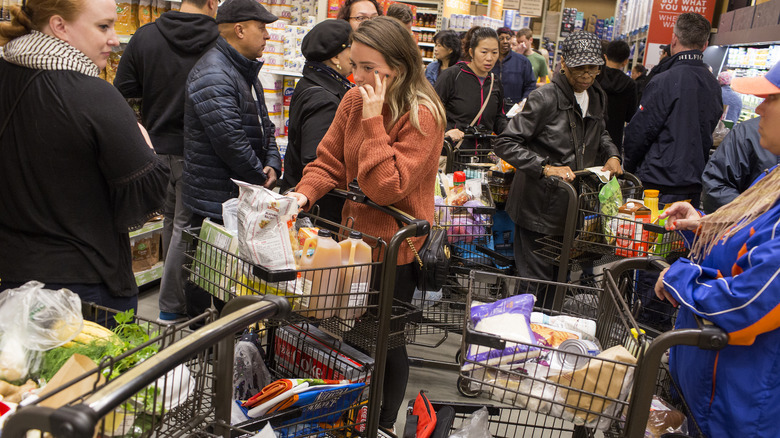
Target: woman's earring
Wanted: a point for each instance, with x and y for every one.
(338, 66)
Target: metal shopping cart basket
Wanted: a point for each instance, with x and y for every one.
(591, 393)
(161, 405)
(352, 314)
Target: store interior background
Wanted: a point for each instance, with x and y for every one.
(745, 39)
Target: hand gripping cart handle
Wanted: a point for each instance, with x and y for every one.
(80, 420)
(707, 337)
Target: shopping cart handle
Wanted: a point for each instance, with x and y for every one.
(654, 263)
(355, 194)
(65, 422)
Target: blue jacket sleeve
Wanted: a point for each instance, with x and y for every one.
(216, 105)
(646, 124)
(744, 302)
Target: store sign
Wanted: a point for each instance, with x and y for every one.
(531, 8)
(512, 5)
(496, 9)
(456, 7)
(663, 18)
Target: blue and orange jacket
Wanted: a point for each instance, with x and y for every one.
(733, 392)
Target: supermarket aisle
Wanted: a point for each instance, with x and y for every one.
(439, 385)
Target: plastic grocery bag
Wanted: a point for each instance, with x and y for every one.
(476, 426)
(32, 320)
(265, 222)
(611, 198)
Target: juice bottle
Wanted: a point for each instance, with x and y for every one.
(356, 280)
(458, 181)
(321, 281)
(651, 202)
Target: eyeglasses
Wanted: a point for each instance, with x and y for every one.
(580, 71)
(362, 18)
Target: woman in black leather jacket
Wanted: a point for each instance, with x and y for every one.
(541, 143)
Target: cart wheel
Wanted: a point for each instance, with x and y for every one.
(464, 388)
(458, 356)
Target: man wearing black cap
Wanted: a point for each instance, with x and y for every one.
(560, 129)
(315, 101)
(227, 131)
(154, 67)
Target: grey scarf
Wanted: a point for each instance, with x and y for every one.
(39, 51)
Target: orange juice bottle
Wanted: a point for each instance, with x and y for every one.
(321, 268)
(356, 279)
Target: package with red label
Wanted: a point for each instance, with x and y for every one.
(308, 352)
(632, 239)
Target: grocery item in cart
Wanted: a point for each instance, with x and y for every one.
(508, 318)
(265, 219)
(610, 198)
(663, 419)
(564, 360)
(608, 376)
(632, 237)
(320, 261)
(309, 352)
(356, 255)
(33, 320)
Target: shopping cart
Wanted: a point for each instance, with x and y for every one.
(580, 390)
(162, 404)
(351, 314)
(586, 243)
(475, 159)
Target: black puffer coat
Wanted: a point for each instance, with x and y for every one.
(223, 137)
(541, 135)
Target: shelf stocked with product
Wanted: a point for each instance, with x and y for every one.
(750, 61)
(146, 250)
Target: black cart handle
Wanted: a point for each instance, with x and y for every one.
(80, 420)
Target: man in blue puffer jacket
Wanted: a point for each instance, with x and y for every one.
(227, 131)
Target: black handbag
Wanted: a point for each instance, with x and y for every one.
(433, 260)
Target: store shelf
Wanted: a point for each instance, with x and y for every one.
(282, 72)
(149, 275)
(428, 59)
(148, 228)
(426, 44)
(423, 29)
(747, 67)
(156, 271)
(124, 39)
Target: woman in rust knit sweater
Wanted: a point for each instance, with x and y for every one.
(387, 134)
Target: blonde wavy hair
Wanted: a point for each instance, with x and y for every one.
(410, 89)
(35, 16)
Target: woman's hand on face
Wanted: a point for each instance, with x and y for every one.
(563, 172)
(661, 292)
(455, 135)
(613, 167)
(300, 198)
(373, 97)
(681, 216)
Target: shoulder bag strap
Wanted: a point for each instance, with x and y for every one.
(16, 102)
(481, 110)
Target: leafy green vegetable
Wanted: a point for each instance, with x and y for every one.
(130, 336)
